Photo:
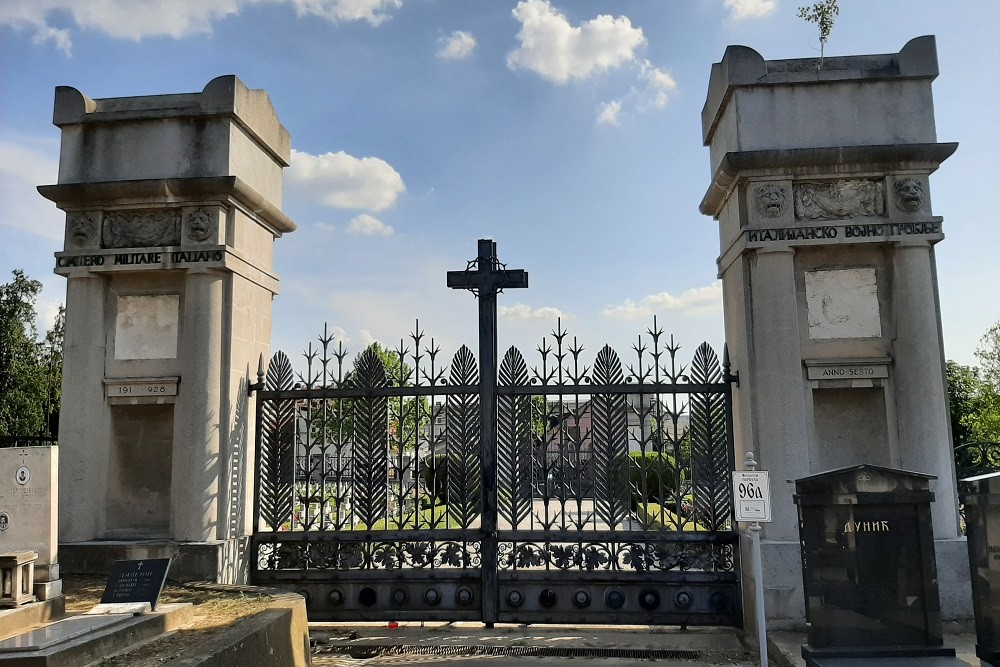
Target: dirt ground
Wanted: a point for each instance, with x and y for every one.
(214, 611)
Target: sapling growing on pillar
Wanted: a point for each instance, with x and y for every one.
(823, 14)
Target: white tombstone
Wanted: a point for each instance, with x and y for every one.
(822, 194)
(29, 498)
(172, 208)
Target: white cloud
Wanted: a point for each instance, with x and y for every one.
(652, 92)
(326, 226)
(458, 45)
(340, 180)
(366, 225)
(136, 19)
(695, 301)
(48, 310)
(749, 9)
(521, 311)
(607, 113)
(558, 51)
(373, 11)
(659, 85)
(59, 37)
(23, 166)
(367, 339)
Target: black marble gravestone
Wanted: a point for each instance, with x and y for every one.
(868, 570)
(136, 581)
(981, 497)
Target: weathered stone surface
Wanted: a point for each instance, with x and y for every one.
(146, 326)
(173, 206)
(820, 186)
(842, 303)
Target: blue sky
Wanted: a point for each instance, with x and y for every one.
(566, 130)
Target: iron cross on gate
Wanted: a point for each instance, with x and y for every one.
(488, 279)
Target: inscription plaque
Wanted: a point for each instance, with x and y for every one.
(140, 387)
(136, 581)
(849, 369)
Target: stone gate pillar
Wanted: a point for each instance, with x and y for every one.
(172, 207)
(821, 191)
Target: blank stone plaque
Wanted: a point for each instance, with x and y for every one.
(843, 304)
(146, 327)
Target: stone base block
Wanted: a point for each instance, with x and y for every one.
(954, 582)
(784, 602)
(46, 571)
(46, 590)
(222, 561)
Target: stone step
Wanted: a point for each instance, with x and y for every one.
(20, 619)
(80, 640)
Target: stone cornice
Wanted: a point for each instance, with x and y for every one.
(223, 96)
(170, 190)
(742, 66)
(794, 162)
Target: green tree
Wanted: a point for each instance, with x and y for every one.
(824, 15)
(984, 421)
(30, 371)
(974, 393)
(963, 389)
(407, 414)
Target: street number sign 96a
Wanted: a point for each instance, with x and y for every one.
(752, 495)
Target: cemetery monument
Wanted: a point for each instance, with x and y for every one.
(821, 188)
(173, 203)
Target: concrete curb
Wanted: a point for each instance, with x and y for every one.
(15, 621)
(276, 637)
(89, 648)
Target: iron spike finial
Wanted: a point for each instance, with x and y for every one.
(251, 388)
(727, 373)
(751, 462)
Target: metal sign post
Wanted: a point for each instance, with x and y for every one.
(752, 496)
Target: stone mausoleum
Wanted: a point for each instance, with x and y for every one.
(821, 188)
(172, 207)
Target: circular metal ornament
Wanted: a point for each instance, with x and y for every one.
(683, 600)
(399, 596)
(614, 599)
(547, 598)
(464, 595)
(649, 599)
(581, 599)
(432, 596)
(515, 598)
(336, 597)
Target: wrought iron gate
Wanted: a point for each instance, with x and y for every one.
(395, 486)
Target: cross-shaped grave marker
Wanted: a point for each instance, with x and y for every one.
(488, 279)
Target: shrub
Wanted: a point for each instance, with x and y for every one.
(652, 474)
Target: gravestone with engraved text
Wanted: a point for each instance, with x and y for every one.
(136, 581)
(28, 505)
(868, 567)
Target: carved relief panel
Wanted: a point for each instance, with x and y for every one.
(840, 199)
(141, 229)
